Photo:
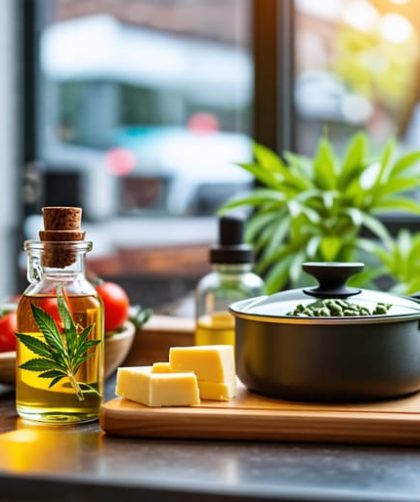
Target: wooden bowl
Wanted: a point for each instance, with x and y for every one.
(117, 348)
(7, 367)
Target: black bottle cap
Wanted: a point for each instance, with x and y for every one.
(231, 248)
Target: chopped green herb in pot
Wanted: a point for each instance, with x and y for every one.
(338, 308)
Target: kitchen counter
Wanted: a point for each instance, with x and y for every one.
(82, 464)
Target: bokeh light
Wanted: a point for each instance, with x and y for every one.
(396, 28)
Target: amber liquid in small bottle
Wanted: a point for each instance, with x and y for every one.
(60, 403)
(217, 328)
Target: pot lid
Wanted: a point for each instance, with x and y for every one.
(330, 301)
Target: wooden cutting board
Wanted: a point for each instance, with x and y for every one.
(254, 417)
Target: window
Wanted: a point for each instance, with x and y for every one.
(143, 108)
(151, 90)
(357, 67)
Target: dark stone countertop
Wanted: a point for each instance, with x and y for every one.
(81, 463)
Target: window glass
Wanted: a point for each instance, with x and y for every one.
(357, 67)
(144, 107)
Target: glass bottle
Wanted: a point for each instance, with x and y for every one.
(40, 392)
(231, 280)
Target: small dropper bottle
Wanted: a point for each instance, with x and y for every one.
(231, 279)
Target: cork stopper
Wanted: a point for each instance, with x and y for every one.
(62, 218)
(62, 235)
(61, 225)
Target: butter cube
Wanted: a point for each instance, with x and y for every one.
(165, 368)
(162, 368)
(211, 363)
(157, 389)
(214, 391)
(217, 391)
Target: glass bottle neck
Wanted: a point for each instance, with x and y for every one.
(231, 268)
(77, 268)
(37, 271)
(56, 261)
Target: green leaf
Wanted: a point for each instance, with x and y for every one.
(264, 237)
(353, 160)
(38, 365)
(139, 316)
(367, 245)
(268, 159)
(55, 381)
(284, 251)
(266, 178)
(273, 163)
(34, 345)
(49, 329)
(84, 335)
(394, 186)
(257, 222)
(405, 162)
(376, 227)
(278, 275)
(65, 315)
(312, 246)
(92, 343)
(276, 239)
(366, 278)
(404, 242)
(51, 374)
(257, 197)
(310, 195)
(385, 257)
(355, 216)
(296, 209)
(82, 345)
(328, 198)
(81, 361)
(70, 329)
(296, 267)
(64, 360)
(90, 387)
(412, 287)
(395, 204)
(330, 247)
(301, 166)
(385, 161)
(325, 166)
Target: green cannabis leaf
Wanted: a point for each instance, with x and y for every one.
(62, 354)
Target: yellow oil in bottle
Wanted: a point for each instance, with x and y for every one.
(60, 403)
(217, 328)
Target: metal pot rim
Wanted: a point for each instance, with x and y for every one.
(360, 320)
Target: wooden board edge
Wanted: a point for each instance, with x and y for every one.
(263, 425)
(272, 404)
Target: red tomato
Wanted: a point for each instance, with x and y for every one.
(8, 332)
(116, 304)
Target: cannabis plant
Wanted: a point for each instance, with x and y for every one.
(315, 208)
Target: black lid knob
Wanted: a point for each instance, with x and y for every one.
(231, 248)
(332, 278)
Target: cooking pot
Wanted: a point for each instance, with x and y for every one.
(355, 358)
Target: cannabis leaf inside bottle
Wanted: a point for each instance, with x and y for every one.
(61, 354)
